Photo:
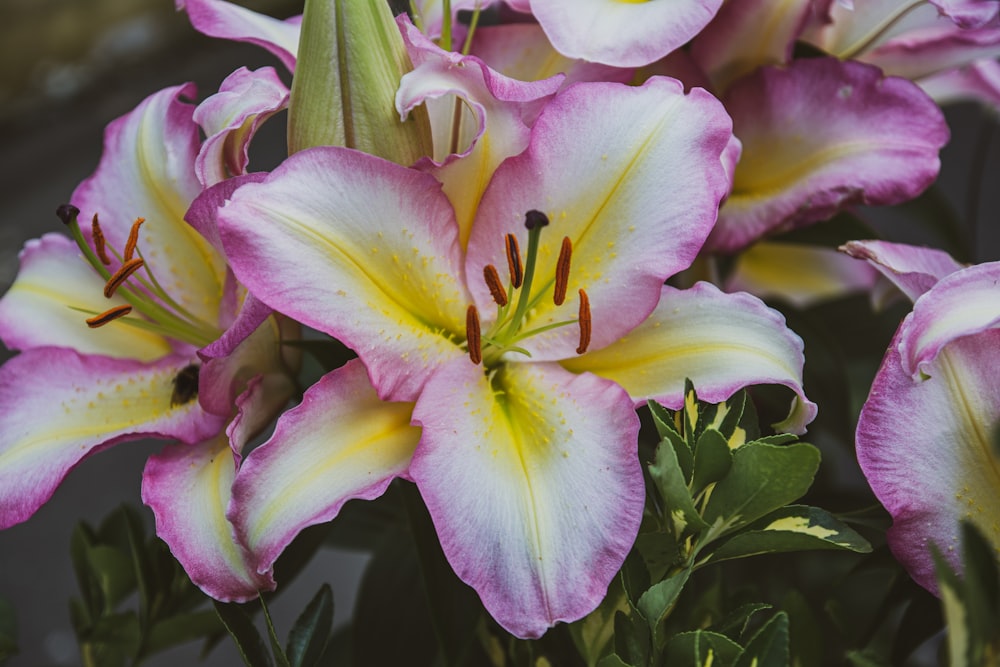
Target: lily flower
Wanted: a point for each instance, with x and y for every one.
(523, 387)
(934, 406)
(134, 330)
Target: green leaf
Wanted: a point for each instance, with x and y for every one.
(113, 572)
(361, 524)
(659, 553)
(663, 419)
(90, 590)
(701, 648)
(634, 577)
(769, 646)
(729, 417)
(249, 643)
(272, 636)
(312, 630)
(141, 561)
(118, 631)
(669, 481)
(763, 478)
(805, 634)
(791, 528)
(734, 624)
(657, 603)
(632, 638)
(613, 661)
(8, 629)
(712, 460)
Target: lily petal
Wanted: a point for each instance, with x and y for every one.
(360, 248)
(495, 115)
(188, 489)
(59, 407)
(633, 176)
(231, 117)
(912, 269)
(969, 13)
(963, 303)
(147, 170)
(39, 309)
(937, 431)
(800, 274)
(623, 34)
(533, 484)
(225, 20)
(979, 81)
(821, 135)
(722, 342)
(340, 443)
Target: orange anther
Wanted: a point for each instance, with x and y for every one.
(109, 315)
(133, 239)
(472, 335)
(121, 275)
(585, 323)
(492, 279)
(562, 271)
(514, 261)
(99, 242)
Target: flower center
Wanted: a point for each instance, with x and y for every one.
(135, 282)
(514, 301)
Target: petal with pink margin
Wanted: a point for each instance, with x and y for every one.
(340, 443)
(821, 135)
(979, 82)
(188, 489)
(59, 407)
(927, 451)
(633, 176)
(963, 303)
(231, 117)
(912, 269)
(721, 342)
(226, 20)
(360, 248)
(147, 170)
(623, 34)
(534, 486)
(40, 308)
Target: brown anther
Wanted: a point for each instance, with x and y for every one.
(584, 320)
(121, 275)
(562, 271)
(514, 261)
(472, 335)
(492, 279)
(99, 243)
(133, 239)
(109, 315)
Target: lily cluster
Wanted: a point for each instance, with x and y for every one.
(505, 223)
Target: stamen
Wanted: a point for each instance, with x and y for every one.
(514, 261)
(99, 243)
(497, 291)
(472, 335)
(121, 275)
(110, 315)
(585, 323)
(67, 213)
(562, 271)
(133, 239)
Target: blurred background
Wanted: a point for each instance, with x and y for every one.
(67, 68)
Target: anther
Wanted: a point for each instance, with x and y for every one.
(472, 335)
(492, 279)
(133, 239)
(535, 218)
(514, 261)
(562, 271)
(67, 213)
(121, 275)
(99, 242)
(584, 320)
(110, 315)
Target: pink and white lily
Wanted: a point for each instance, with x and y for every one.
(152, 372)
(526, 451)
(934, 406)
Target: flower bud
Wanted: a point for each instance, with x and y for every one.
(351, 58)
